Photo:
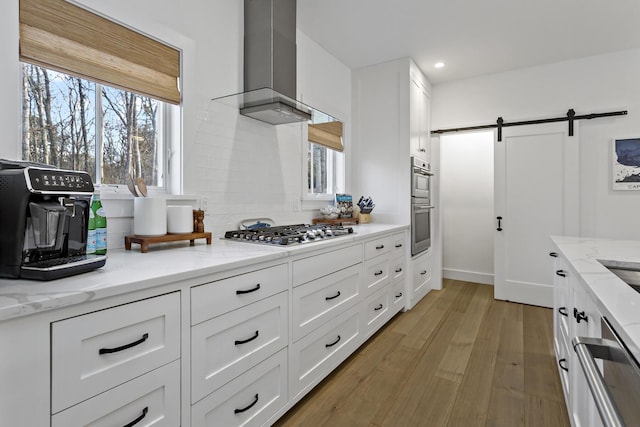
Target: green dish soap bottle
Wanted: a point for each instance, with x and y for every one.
(101, 225)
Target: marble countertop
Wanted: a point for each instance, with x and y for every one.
(616, 300)
(129, 271)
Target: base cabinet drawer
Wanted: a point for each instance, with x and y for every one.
(398, 297)
(318, 353)
(225, 347)
(376, 311)
(316, 302)
(98, 351)
(219, 297)
(377, 247)
(376, 274)
(313, 267)
(150, 400)
(249, 400)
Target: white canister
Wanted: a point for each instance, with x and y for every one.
(179, 219)
(149, 216)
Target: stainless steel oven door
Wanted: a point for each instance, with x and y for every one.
(615, 388)
(420, 176)
(420, 225)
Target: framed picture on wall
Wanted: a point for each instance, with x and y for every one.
(625, 173)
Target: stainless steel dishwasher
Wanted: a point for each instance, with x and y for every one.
(615, 388)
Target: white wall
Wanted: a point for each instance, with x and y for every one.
(596, 84)
(243, 167)
(466, 206)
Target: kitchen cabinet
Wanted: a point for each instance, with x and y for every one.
(421, 268)
(239, 346)
(420, 104)
(391, 124)
(575, 315)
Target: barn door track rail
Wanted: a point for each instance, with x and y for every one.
(571, 117)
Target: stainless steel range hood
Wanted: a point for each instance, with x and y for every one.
(270, 64)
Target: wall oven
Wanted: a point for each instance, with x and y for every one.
(420, 206)
(615, 382)
(420, 178)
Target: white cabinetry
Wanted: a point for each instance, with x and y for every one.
(420, 138)
(95, 352)
(421, 269)
(575, 315)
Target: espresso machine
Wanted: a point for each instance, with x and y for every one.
(44, 219)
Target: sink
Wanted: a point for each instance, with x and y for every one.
(628, 272)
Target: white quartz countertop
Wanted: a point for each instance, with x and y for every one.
(129, 271)
(616, 300)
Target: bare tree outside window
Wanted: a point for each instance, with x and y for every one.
(59, 119)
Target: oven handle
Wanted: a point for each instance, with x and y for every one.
(588, 349)
(423, 172)
(422, 207)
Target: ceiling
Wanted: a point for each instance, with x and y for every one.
(472, 37)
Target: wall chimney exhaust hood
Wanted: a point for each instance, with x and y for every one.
(270, 65)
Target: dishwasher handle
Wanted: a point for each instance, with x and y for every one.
(588, 349)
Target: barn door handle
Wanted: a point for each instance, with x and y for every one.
(499, 218)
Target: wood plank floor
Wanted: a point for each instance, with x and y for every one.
(458, 358)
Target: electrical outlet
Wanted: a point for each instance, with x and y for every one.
(204, 202)
(297, 206)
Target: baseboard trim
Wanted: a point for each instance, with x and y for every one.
(467, 276)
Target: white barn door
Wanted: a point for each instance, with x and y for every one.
(536, 196)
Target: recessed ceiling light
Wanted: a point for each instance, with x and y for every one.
(439, 64)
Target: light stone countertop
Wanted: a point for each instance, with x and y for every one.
(129, 271)
(617, 301)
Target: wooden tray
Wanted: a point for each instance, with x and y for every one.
(337, 221)
(146, 241)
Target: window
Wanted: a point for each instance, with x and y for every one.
(74, 123)
(325, 161)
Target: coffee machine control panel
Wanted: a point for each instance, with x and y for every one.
(47, 181)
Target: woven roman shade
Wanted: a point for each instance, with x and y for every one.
(327, 134)
(58, 35)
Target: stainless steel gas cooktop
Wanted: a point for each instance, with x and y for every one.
(289, 234)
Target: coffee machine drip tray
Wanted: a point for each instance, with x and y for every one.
(61, 267)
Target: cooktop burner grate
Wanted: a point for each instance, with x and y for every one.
(289, 234)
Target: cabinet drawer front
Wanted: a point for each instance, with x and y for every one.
(377, 309)
(153, 399)
(398, 297)
(376, 274)
(318, 353)
(224, 347)
(216, 298)
(377, 247)
(314, 267)
(316, 302)
(421, 272)
(398, 266)
(97, 351)
(398, 245)
(249, 400)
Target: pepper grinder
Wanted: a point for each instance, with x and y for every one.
(198, 221)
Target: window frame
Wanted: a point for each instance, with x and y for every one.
(335, 179)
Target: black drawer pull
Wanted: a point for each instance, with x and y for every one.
(333, 297)
(399, 294)
(380, 247)
(560, 362)
(140, 418)
(553, 254)
(579, 315)
(238, 342)
(124, 347)
(378, 308)
(248, 291)
(563, 311)
(377, 273)
(398, 270)
(333, 343)
(246, 408)
(399, 245)
(423, 272)
(561, 273)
